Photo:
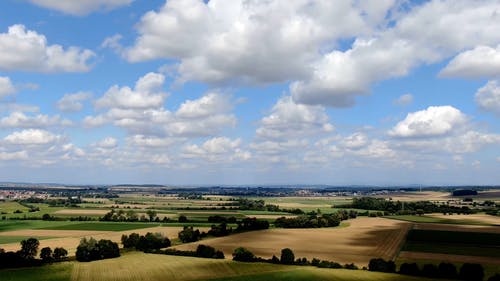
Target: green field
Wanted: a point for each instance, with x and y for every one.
(427, 219)
(453, 242)
(140, 266)
(9, 225)
(103, 226)
(16, 239)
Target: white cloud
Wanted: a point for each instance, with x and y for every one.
(6, 87)
(482, 61)
(18, 119)
(217, 149)
(146, 94)
(73, 102)
(288, 119)
(208, 105)
(431, 122)
(220, 40)
(31, 137)
(81, 7)
(10, 156)
(27, 50)
(108, 142)
(488, 97)
(404, 100)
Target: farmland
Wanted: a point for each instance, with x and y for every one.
(363, 239)
(138, 266)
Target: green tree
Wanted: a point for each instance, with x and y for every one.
(471, 272)
(242, 254)
(287, 256)
(151, 214)
(46, 254)
(188, 234)
(60, 253)
(29, 248)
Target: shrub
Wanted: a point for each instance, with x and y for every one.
(90, 249)
(287, 256)
(381, 265)
(46, 254)
(471, 272)
(409, 269)
(242, 254)
(59, 254)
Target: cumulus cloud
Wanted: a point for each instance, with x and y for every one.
(19, 119)
(217, 149)
(431, 122)
(108, 142)
(6, 87)
(219, 41)
(141, 111)
(146, 94)
(31, 137)
(289, 119)
(27, 50)
(73, 102)
(81, 7)
(482, 61)
(10, 156)
(404, 100)
(488, 97)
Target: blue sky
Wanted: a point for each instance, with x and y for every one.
(250, 92)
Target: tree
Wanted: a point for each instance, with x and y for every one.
(381, 265)
(242, 254)
(130, 241)
(90, 249)
(287, 256)
(46, 254)
(60, 253)
(29, 248)
(430, 270)
(409, 269)
(151, 214)
(188, 234)
(183, 218)
(471, 272)
(447, 270)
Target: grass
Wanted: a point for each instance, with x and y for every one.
(10, 225)
(55, 272)
(453, 243)
(15, 239)
(427, 219)
(140, 266)
(103, 226)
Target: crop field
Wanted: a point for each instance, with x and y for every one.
(482, 218)
(452, 246)
(363, 239)
(457, 227)
(464, 219)
(139, 266)
(103, 226)
(69, 239)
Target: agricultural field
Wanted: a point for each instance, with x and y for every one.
(68, 236)
(139, 266)
(477, 219)
(363, 239)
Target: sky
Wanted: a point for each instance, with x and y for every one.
(247, 92)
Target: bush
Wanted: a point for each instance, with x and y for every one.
(430, 270)
(287, 256)
(447, 270)
(381, 265)
(183, 218)
(152, 241)
(59, 254)
(204, 251)
(46, 254)
(471, 272)
(188, 234)
(90, 250)
(409, 269)
(242, 254)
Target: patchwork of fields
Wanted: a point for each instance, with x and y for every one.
(363, 239)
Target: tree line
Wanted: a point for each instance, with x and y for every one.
(27, 255)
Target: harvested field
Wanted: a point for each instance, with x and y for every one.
(364, 239)
(52, 233)
(448, 258)
(488, 219)
(71, 242)
(269, 216)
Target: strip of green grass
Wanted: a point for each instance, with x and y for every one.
(55, 272)
(10, 225)
(453, 249)
(103, 226)
(17, 239)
